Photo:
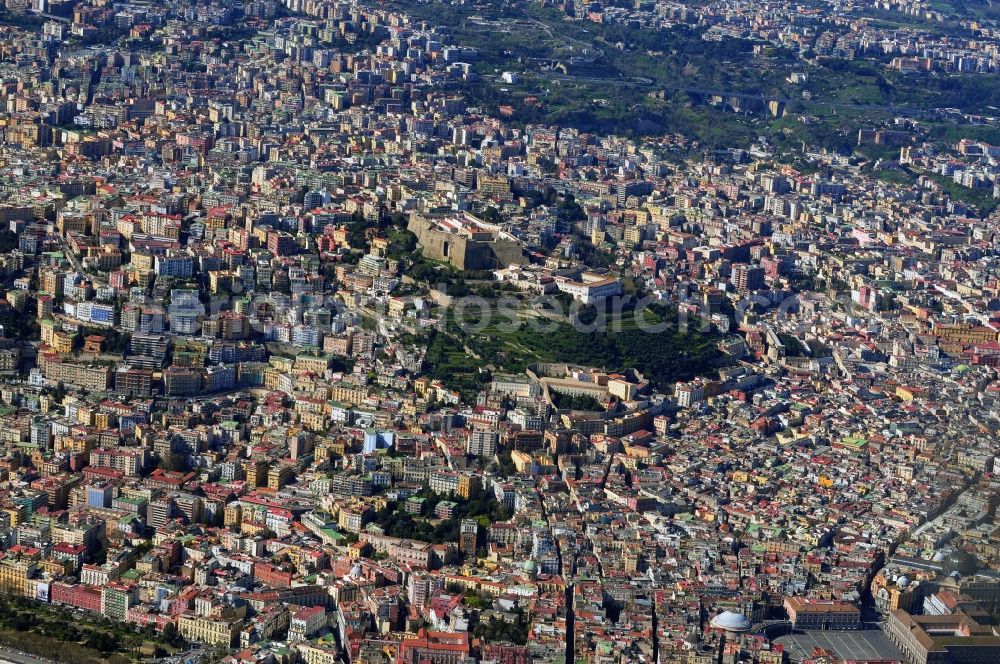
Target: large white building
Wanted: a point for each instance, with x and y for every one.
(592, 288)
(515, 386)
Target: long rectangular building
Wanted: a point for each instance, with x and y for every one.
(92, 377)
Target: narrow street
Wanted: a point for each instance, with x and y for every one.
(570, 632)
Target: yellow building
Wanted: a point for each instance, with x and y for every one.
(312, 364)
(15, 576)
(50, 282)
(85, 414)
(233, 515)
(256, 472)
(48, 329)
(279, 475)
(62, 342)
(317, 654)
(313, 421)
(521, 460)
(965, 333)
(141, 262)
(209, 631)
(94, 378)
(17, 515)
(220, 281)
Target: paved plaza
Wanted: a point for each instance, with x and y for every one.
(862, 644)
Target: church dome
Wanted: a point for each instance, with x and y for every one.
(731, 621)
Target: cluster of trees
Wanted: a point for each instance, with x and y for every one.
(506, 463)
(21, 325)
(663, 357)
(433, 274)
(391, 226)
(46, 630)
(578, 402)
(981, 199)
(481, 506)
(793, 347)
(446, 360)
(548, 196)
(342, 364)
(569, 209)
(8, 240)
(357, 231)
(58, 393)
(402, 243)
(115, 341)
(23, 20)
(497, 629)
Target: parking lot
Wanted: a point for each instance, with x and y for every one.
(862, 644)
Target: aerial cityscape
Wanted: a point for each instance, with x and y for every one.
(500, 332)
